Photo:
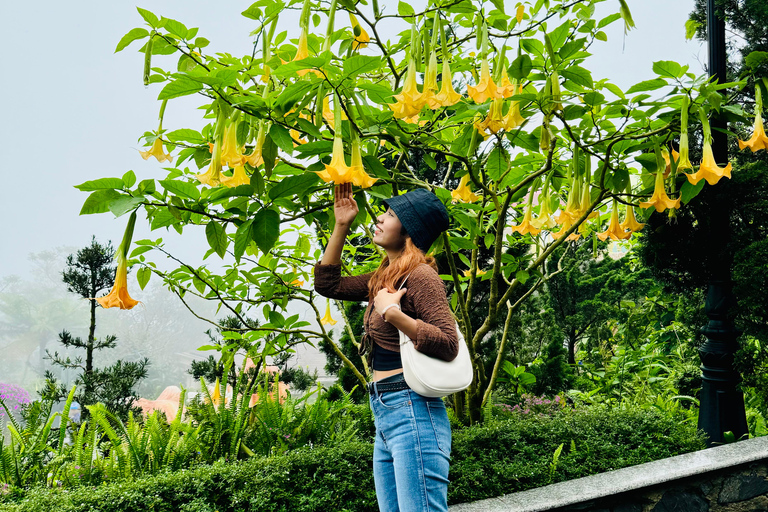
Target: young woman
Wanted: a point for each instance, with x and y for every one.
(413, 437)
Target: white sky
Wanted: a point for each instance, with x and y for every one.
(74, 110)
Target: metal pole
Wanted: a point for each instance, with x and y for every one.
(722, 403)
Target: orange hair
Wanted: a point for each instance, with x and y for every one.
(387, 275)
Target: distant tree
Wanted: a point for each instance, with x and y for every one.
(88, 273)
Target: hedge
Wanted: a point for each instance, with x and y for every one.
(488, 460)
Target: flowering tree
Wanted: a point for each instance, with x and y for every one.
(542, 152)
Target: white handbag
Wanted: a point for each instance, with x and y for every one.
(432, 377)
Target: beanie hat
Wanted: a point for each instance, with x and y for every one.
(422, 215)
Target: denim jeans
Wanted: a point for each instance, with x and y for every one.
(412, 451)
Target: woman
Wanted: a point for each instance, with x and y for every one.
(413, 437)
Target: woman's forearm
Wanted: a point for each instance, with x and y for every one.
(332, 255)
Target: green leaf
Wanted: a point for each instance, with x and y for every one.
(269, 153)
(129, 179)
(186, 135)
(217, 238)
(404, 9)
(293, 93)
(533, 46)
(498, 163)
(522, 276)
(608, 20)
(124, 204)
(176, 28)
(378, 93)
(181, 188)
(148, 17)
(691, 26)
(309, 128)
(294, 185)
(647, 85)
(668, 69)
(242, 238)
(266, 229)
(317, 148)
(179, 87)
(281, 137)
(99, 201)
(614, 89)
(520, 67)
(577, 75)
(133, 35)
(688, 191)
(359, 64)
(101, 184)
(142, 276)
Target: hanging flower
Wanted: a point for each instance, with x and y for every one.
(545, 220)
(447, 95)
(485, 89)
(328, 113)
(463, 192)
(526, 227)
(410, 100)
(468, 272)
(157, 152)
(231, 154)
(302, 52)
(565, 227)
(239, 177)
(630, 223)
(430, 82)
(514, 119)
(213, 175)
(256, 158)
(356, 169)
(659, 199)
(758, 140)
(506, 88)
(494, 121)
(328, 319)
(118, 297)
(361, 36)
(708, 169)
(572, 210)
(216, 396)
(337, 171)
(615, 231)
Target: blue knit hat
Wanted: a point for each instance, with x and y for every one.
(422, 215)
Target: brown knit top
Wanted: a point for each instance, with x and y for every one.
(425, 300)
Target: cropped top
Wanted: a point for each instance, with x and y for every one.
(425, 301)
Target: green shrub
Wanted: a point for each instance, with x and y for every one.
(488, 460)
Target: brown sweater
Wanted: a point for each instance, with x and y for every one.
(425, 300)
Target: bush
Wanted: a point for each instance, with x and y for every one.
(488, 460)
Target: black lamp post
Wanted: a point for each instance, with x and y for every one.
(722, 402)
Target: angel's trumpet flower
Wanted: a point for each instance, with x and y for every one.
(614, 231)
(239, 177)
(447, 95)
(356, 169)
(759, 140)
(410, 100)
(157, 152)
(708, 169)
(526, 227)
(118, 297)
(630, 223)
(659, 199)
(463, 193)
(231, 154)
(361, 36)
(328, 319)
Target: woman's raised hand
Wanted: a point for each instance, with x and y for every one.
(344, 206)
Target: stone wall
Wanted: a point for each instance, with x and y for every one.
(728, 478)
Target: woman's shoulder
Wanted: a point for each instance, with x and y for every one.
(425, 272)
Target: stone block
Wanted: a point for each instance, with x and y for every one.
(741, 488)
(687, 500)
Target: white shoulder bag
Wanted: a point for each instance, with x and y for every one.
(432, 377)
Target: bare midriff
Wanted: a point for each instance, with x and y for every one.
(382, 374)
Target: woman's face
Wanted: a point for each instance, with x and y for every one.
(387, 232)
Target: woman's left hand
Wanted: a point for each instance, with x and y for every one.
(384, 298)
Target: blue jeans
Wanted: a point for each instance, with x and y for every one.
(412, 451)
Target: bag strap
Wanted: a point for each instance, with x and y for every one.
(404, 280)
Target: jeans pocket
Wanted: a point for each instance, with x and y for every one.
(395, 399)
(441, 425)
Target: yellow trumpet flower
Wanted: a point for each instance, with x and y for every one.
(463, 192)
(684, 162)
(410, 100)
(357, 169)
(447, 95)
(494, 121)
(708, 169)
(571, 212)
(758, 140)
(239, 177)
(328, 114)
(468, 272)
(630, 223)
(565, 227)
(659, 199)
(544, 220)
(216, 396)
(514, 119)
(302, 52)
(256, 158)
(297, 282)
(362, 40)
(615, 230)
(157, 152)
(337, 171)
(485, 89)
(118, 297)
(430, 82)
(506, 88)
(327, 319)
(231, 154)
(526, 227)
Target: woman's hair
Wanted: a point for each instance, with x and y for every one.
(387, 275)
